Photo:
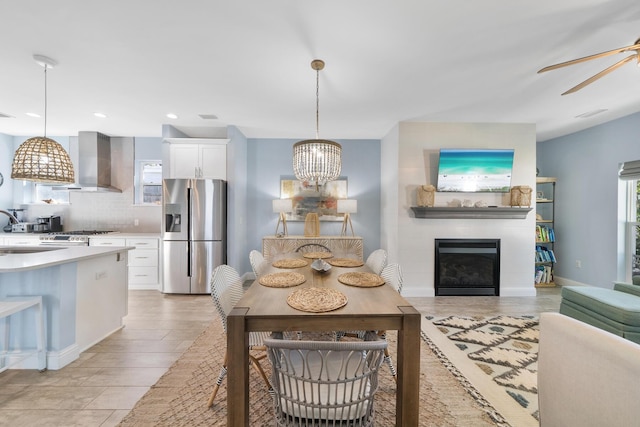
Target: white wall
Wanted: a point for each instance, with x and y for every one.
(417, 145)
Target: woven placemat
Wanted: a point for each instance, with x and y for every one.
(345, 262)
(316, 300)
(281, 280)
(290, 263)
(361, 279)
(316, 255)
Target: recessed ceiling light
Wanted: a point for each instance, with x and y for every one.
(172, 116)
(33, 115)
(100, 115)
(208, 116)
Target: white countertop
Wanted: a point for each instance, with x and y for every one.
(48, 258)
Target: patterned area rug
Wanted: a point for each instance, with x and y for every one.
(498, 355)
(179, 398)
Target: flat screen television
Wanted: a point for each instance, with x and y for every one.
(475, 170)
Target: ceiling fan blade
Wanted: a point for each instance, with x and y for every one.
(601, 74)
(635, 47)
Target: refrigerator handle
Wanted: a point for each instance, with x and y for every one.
(188, 259)
(189, 225)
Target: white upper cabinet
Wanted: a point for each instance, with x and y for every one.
(197, 158)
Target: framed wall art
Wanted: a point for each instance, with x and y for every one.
(306, 198)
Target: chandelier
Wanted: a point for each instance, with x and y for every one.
(42, 159)
(317, 160)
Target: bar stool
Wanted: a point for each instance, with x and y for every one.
(10, 306)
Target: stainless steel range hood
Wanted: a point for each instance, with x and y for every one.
(93, 169)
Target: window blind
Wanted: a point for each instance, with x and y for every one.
(629, 170)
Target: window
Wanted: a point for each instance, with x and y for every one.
(630, 247)
(50, 194)
(148, 182)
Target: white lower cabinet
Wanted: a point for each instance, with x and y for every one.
(21, 239)
(142, 262)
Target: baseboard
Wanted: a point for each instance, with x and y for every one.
(55, 359)
(561, 281)
(144, 287)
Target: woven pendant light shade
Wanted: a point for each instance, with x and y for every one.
(42, 159)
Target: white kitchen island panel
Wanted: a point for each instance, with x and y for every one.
(84, 292)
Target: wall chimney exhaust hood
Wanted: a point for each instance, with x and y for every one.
(93, 170)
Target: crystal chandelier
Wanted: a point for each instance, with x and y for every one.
(42, 159)
(317, 160)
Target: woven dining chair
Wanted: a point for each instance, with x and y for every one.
(377, 260)
(226, 291)
(325, 383)
(312, 247)
(392, 275)
(257, 262)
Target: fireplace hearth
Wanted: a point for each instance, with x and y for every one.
(467, 267)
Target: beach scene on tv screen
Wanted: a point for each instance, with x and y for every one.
(485, 171)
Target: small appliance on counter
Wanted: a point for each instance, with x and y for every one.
(22, 227)
(47, 224)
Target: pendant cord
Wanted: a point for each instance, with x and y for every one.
(317, 104)
(45, 101)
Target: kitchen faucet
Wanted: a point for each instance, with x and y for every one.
(12, 218)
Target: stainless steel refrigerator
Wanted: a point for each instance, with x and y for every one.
(194, 233)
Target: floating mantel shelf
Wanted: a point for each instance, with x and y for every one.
(471, 213)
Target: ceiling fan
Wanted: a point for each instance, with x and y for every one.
(636, 55)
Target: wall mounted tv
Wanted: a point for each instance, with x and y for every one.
(475, 170)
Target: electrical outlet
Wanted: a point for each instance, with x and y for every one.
(578, 263)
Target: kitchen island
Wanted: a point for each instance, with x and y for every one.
(84, 292)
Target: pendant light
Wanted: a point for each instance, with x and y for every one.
(317, 160)
(42, 159)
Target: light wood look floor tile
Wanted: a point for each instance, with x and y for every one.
(105, 382)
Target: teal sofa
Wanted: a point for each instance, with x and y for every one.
(614, 310)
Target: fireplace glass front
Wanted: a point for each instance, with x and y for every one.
(467, 267)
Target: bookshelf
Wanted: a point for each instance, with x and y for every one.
(545, 258)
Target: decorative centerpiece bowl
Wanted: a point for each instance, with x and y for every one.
(320, 265)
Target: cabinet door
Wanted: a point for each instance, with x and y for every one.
(213, 161)
(22, 240)
(143, 257)
(106, 241)
(184, 161)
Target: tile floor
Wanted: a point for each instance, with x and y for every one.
(102, 386)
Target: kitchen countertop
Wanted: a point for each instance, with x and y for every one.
(45, 257)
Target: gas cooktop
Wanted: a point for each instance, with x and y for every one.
(80, 232)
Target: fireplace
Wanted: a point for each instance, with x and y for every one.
(467, 267)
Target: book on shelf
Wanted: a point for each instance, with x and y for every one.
(545, 234)
(544, 254)
(544, 274)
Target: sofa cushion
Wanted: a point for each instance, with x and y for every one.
(621, 307)
(627, 287)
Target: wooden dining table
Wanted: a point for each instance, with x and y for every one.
(265, 308)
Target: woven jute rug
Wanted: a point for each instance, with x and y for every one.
(180, 397)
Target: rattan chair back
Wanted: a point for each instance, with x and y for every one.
(392, 275)
(226, 291)
(257, 262)
(312, 247)
(377, 260)
(325, 383)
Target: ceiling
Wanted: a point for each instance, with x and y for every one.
(248, 63)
